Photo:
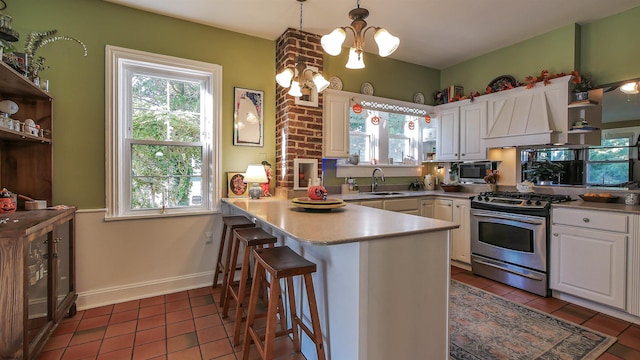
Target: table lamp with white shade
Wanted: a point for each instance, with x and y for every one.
(255, 175)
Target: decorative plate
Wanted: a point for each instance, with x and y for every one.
(366, 88)
(318, 205)
(335, 83)
(503, 82)
(418, 98)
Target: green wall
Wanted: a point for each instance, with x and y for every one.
(610, 48)
(77, 83)
(553, 51)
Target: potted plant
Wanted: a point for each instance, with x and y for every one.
(544, 172)
(581, 86)
(491, 180)
(36, 40)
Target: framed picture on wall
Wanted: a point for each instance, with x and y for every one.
(248, 117)
(236, 187)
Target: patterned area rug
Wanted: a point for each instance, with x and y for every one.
(484, 326)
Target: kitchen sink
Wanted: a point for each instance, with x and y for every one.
(386, 193)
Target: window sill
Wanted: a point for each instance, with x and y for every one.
(148, 216)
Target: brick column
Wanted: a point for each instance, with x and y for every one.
(298, 128)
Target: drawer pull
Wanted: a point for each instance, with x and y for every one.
(585, 219)
(555, 234)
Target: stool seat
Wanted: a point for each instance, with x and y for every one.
(281, 263)
(254, 236)
(229, 223)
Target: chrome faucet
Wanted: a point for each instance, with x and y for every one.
(374, 179)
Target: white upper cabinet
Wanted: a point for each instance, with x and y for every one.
(335, 123)
(460, 132)
(473, 125)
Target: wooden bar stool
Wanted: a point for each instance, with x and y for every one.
(229, 223)
(281, 263)
(249, 239)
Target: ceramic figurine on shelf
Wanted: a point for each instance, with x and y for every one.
(266, 187)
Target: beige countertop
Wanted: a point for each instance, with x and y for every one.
(589, 205)
(352, 223)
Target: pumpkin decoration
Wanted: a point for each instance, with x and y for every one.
(7, 205)
(317, 193)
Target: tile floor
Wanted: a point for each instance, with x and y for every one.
(188, 325)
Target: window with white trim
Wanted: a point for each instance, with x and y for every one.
(383, 135)
(163, 135)
(610, 163)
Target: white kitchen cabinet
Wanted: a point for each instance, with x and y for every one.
(448, 135)
(378, 204)
(443, 209)
(405, 205)
(461, 237)
(457, 211)
(588, 255)
(460, 132)
(427, 208)
(335, 125)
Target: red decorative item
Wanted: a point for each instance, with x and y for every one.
(427, 119)
(357, 108)
(411, 125)
(7, 205)
(317, 193)
(375, 120)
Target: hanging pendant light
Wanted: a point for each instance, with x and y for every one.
(630, 88)
(296, 78)
(332, 42)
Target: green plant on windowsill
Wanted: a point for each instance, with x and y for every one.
(544, 172)
(34, 41)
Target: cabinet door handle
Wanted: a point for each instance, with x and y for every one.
(463, 154)
(585, 219)
(555, 234)
(458, 206)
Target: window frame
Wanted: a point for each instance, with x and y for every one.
(588, 162)
(379, 140)
(119, 63)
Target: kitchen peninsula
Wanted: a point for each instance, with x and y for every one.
(382, 284)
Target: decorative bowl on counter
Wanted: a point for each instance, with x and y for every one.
(451, 188)
(603, 198)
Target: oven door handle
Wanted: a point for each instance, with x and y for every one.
(506, 216)
(528, 276)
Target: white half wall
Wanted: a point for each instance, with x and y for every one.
(118, 261)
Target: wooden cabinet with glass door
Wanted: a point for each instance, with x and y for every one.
(37, 279)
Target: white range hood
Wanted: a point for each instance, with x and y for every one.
(537, 116)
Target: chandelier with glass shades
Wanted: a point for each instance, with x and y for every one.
(332, 42)
(297, 78)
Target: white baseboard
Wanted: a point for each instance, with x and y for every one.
(118, 294)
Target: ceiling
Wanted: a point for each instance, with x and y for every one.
(433, 33)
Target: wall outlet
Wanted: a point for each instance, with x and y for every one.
(208, 237)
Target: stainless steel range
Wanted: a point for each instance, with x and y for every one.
(510, 238)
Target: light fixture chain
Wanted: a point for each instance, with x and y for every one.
(301, 2)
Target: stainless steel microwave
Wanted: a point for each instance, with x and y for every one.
(475, 172)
